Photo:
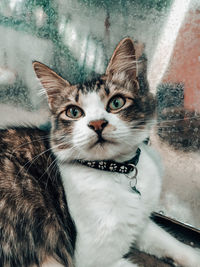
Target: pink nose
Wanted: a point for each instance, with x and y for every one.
(98, 125)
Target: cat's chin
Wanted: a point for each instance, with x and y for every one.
(106, 150)
(110, 152)
(101, 144)
(99, 152)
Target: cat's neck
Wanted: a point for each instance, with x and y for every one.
(126, 157)
(67, 156)
(122, 157)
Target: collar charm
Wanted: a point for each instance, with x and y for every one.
(125, 168)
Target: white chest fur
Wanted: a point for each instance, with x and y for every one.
(108, 215)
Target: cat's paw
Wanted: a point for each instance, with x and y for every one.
(189, 258)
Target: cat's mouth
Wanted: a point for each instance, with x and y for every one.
(101, 141)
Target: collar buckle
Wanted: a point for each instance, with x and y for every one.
(135, 170)
(133, 179)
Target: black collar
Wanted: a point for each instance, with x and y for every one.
(113, 166)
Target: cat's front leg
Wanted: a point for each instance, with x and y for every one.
(156, 241)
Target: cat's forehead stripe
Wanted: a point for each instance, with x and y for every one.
(107, 90)
(90, 86)
(77, 96)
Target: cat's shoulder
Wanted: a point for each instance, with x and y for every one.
(24, 143)
(14, 137)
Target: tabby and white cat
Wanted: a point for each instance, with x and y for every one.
(100, 123)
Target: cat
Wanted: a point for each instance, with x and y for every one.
(73, 196)
(34, 219)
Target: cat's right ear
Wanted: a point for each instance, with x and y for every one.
(126, 60)
(51, 81)
(123, 60)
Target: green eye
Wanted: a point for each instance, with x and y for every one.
(74, 112)
(116, 103)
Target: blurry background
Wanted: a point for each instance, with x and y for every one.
(77, 37)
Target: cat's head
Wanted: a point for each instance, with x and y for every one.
(105, 118)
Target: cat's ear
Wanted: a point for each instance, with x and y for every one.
(123, 60)
(51, 82)
(126, 61)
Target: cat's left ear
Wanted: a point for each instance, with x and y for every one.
(124, 61)
(51, 81)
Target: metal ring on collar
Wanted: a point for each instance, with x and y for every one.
(135, 170)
